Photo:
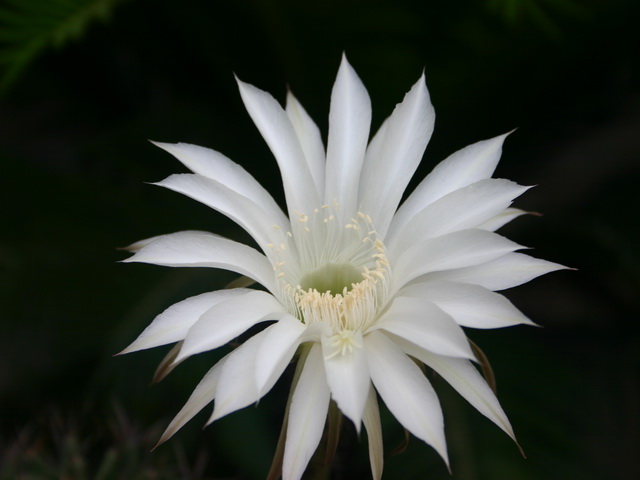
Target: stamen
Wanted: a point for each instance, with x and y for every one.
(343, 343)
(342, 271)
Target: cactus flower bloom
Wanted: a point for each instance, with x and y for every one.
(358, 288)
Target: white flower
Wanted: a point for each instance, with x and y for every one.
(357, 287)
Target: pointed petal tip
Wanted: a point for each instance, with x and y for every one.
(180, 357)
(520, 449)
(291, 99)
(345, 64)
(217, 414)
(132, 248)
(243, 86)
(167, 146)
(163, 439)
(123, 352)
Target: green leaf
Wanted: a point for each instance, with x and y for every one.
(29, 27)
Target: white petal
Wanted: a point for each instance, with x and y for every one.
(200, 398)
(470, 305)
(216, 166)
(309, 138)
(426, 325)
(349, 123)
(464, 167)
(203, 249)
(461, 209)
(307, 415)
(236, 386)
(173, 324)
(276, 129)
(455, 250)
(257, 221)
(371, 420)
(226, 320)
(508, 271)
(501, 219)
(348, 378)
(276, 351)
(464, 377)
(394, 154)
(406, 391)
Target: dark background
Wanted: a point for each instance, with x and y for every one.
(83, 90)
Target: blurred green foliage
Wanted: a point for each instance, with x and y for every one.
(27, 28)
(74, 119)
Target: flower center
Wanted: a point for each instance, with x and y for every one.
(343, 278)
(345, 299)
(331, 278)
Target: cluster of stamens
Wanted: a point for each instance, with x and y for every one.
(342, 288)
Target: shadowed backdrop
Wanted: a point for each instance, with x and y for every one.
(85, 84)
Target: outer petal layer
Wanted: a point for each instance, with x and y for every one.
(470, 305)
(236, 387)
(406, 391)
(394, 154)
(465, 248)
(226, 320)
(307, 414)
(203, 394)
(257, 219)
(214, 165)
(203, 249)
(276, 129)
(464, 167)
(463, 376)
(507, 271)
(371, 420)
(349, 122)
(423, 323)
(348, 377)
(461, 209)
(173, 324)
(277, 349)
(310, 140)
